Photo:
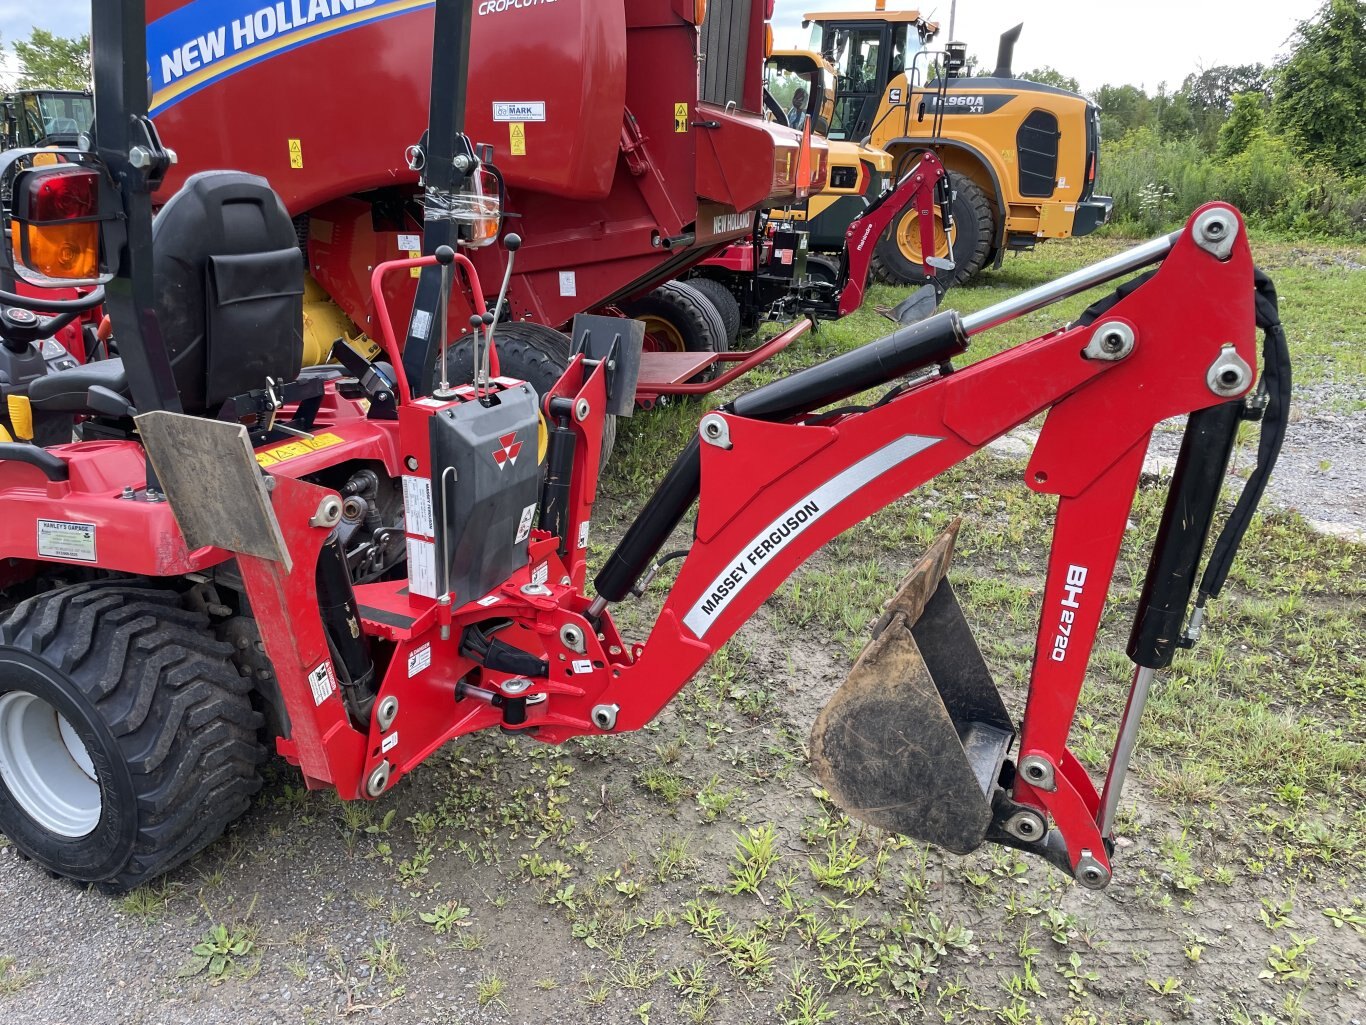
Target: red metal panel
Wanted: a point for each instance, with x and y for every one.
(352, 101)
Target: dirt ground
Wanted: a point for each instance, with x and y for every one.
(693, 872)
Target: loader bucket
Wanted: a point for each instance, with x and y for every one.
(914, 739)
(920, 305)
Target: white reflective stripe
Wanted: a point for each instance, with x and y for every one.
(795, 520)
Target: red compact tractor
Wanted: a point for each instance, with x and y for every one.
(241, 553)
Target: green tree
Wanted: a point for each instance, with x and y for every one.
(1321, 87)
(1050, 76)
(1209, 94)
(1246, 121)
(1123, 108)
(50, 61)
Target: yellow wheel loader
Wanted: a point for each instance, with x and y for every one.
(1022, 156)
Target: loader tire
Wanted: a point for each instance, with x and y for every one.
(725, 302)
(679, 318)
(128, 742)
(896, 259)
(533, 353)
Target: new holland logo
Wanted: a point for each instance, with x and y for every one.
(507, 455)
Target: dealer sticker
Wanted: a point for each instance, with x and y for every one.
(520, 110)
(60, 539)
(321, 683)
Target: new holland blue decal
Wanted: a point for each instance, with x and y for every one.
(210, 39)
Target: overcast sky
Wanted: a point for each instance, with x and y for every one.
(1138, 43)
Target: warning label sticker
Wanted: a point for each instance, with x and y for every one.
(517, 138)
(296, 153)
(569, 283)
(680, 118)
(60, 539)
(524, 527)
(294, 449)
(321, 682)
(419, 659)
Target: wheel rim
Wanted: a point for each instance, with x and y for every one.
(662, 336)
(46, 766)
(908, 237)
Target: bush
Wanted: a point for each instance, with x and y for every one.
(1156, 184)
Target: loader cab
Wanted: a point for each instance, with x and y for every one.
(867, 53)
(46, 117)
(788, 71)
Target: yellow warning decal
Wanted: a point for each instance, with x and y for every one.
(294, 449)
(414, 254)
(680, 117)
(296, 153)
(517, 138)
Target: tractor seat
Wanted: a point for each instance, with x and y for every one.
(66, 390)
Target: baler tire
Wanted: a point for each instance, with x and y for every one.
(533, 353)
(167, 750)
(691, 318)
(974, 233)
(726, 305)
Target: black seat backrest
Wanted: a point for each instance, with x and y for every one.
(229, 287)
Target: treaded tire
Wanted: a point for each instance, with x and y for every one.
(691, 315)
(823, 268)
(725, 302)
(165, 718)
(974, 232)
(533, 353)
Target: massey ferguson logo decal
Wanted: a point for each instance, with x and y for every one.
(1072, 587)
(507, 455)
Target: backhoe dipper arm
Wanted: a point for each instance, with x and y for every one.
(771, 493)
(917, 186)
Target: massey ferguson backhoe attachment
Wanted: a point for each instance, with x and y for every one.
(416, 573)
(918, 740)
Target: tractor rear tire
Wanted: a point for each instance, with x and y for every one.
(896, 259)
(823, 268)
(128, 742)
(679, 318)
(533, 353)
(725, 302)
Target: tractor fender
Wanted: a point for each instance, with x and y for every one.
(995, 193)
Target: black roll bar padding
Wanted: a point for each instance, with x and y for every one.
(54, 468)
(1187, 516)
(902, 352)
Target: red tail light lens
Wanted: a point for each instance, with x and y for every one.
(56, 226)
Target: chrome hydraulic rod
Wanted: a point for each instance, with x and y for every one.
(1124, 747)
(1069, 285)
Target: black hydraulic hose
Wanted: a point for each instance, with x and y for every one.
(1276, 385)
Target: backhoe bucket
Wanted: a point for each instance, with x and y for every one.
(920, 305)
(914, 739)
